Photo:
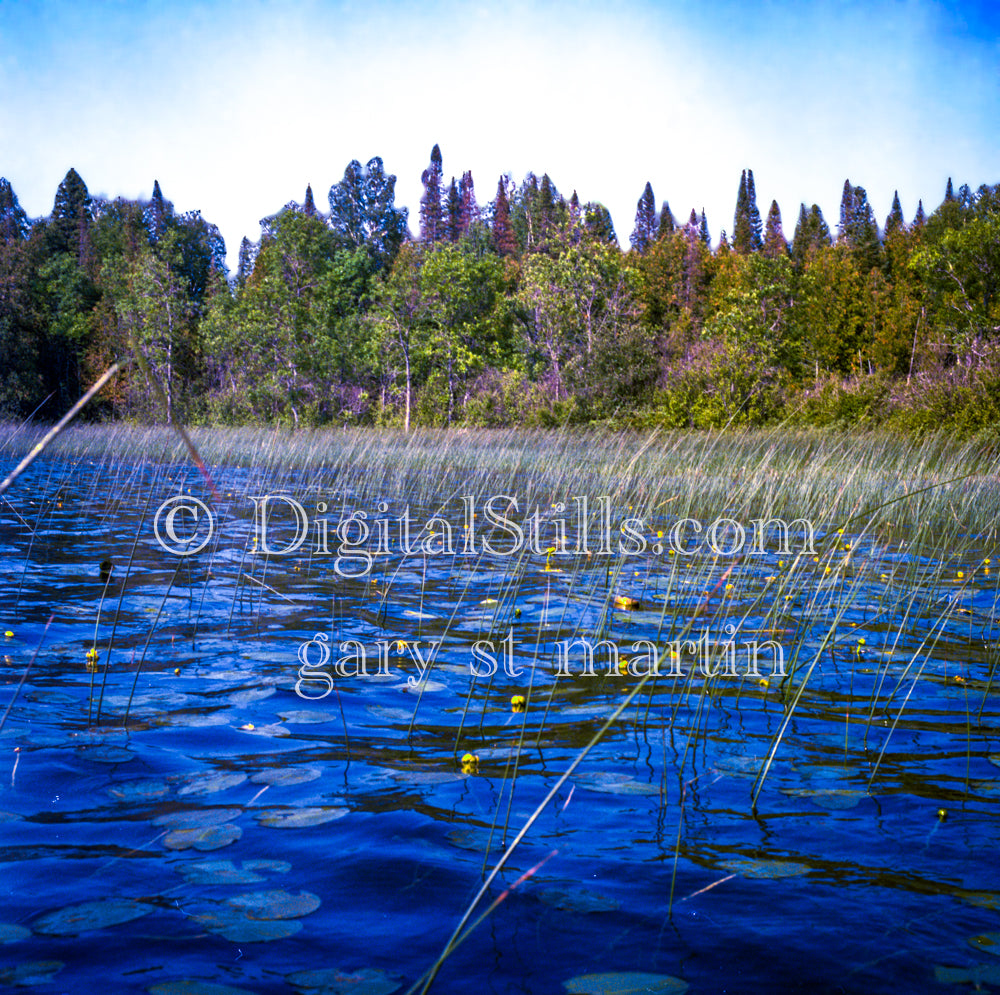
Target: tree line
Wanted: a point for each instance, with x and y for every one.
(524, 310)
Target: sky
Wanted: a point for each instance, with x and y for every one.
(235, 107)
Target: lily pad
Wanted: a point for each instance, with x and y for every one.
(828, 798)
(139, 791)
(990, 942)
(31, 972)
(226, 872)
(611, 783)
(197, 818)
(622, 982)
(474, 839)
(207, 838)
(11, 932)
(286, 775)
(240, 698)
(332, 981)
(766, 868)
(194, 720)
(303, 716)
(276, 904)
(425, 776)
(837, 799)
(573, 900)
(80, 918)
(977, 974)
(108, 754)
(271, 729)
(298, 818)
(207, 784)
(236, 927)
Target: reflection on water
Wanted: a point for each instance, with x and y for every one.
(195, 805)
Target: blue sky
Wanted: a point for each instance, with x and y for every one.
(235, 107)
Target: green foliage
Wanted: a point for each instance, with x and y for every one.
(530, 313)
(363, 211)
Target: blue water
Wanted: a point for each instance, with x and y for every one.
(650, 856)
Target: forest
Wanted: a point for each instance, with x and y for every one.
(521, 311)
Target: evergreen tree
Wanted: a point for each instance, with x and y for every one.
(469, 210)
(246, 261)
(858, 227)
(703, 230)
(644, 232)
(363, 211)
(894, 222)
(597, 222)
(811, 234)
(920, 218)
(14, 224)
(431, 222)
(503, 232)
(309, 207)
(546, 208)
(742, 234)
(667, 223)
(949, 193)
(160, 212)
(453, 214)
(754, 213)
(746, 221)
(846, 211)
(71, 215)
(775, 245)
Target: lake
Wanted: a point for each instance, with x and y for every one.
(289, 760)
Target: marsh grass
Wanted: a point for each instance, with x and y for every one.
(904, 528)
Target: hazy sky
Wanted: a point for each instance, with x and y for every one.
(235, 107)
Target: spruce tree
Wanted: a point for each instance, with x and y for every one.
(754, 213)
(246, 262)
(846, 211)
(811, 234)
(859, 229)
(703, 230)
(14, 225)
(453, 213)
(71, 214)
(894, 222)
(775, 245)
(742, 234)
(363, 211)
(949, 193)
(309, 207)
(431, 226)
(667, 223)
(546, 207)
(920, 218)
(469, 211)
(644, 232)
(159, 213)
(503, 232)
